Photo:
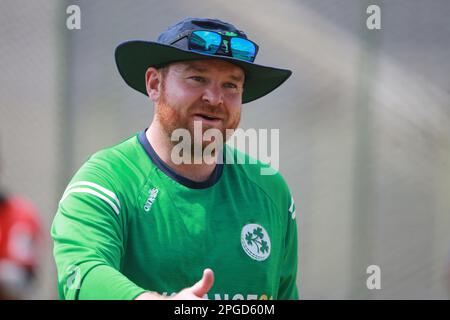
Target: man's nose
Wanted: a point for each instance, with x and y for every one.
(213, 95)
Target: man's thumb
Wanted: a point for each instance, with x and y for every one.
(205, 284)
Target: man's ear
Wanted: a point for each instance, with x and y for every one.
(152, 83)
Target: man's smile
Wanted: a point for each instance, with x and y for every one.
(207, 118)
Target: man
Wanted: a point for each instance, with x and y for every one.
(136, 223)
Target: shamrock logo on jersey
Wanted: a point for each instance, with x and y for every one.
(257, 238)
(255, 241)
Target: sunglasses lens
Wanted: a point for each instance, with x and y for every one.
(205, 41)
(243, 49)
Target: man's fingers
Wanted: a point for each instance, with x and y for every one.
(205, 284)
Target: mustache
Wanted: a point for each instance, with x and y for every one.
(210, 109)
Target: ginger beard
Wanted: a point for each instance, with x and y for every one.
(172, 117)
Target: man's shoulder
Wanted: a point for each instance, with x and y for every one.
(260, 173)
(117, 153)
(114, 165)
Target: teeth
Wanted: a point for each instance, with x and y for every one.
(207, 117)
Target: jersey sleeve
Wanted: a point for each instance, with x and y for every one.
(288, 280)
(89, 232)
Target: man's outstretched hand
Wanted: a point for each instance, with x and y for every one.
(196, 292)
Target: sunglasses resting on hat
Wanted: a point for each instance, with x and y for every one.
(220, 43)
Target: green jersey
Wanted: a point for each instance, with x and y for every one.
(127, 224)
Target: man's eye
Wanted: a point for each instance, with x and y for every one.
(198, 79)
(230, 85)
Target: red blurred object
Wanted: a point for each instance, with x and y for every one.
(19, 232)
(19, 244)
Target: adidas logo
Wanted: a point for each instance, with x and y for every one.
(151, 198)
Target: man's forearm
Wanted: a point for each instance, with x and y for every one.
(106, 283)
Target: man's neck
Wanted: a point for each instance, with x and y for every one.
(162, 145)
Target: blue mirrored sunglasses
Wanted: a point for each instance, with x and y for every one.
(215, 43)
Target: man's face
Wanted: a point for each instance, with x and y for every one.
(209, 91)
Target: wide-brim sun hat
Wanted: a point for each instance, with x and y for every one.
(133, 58)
